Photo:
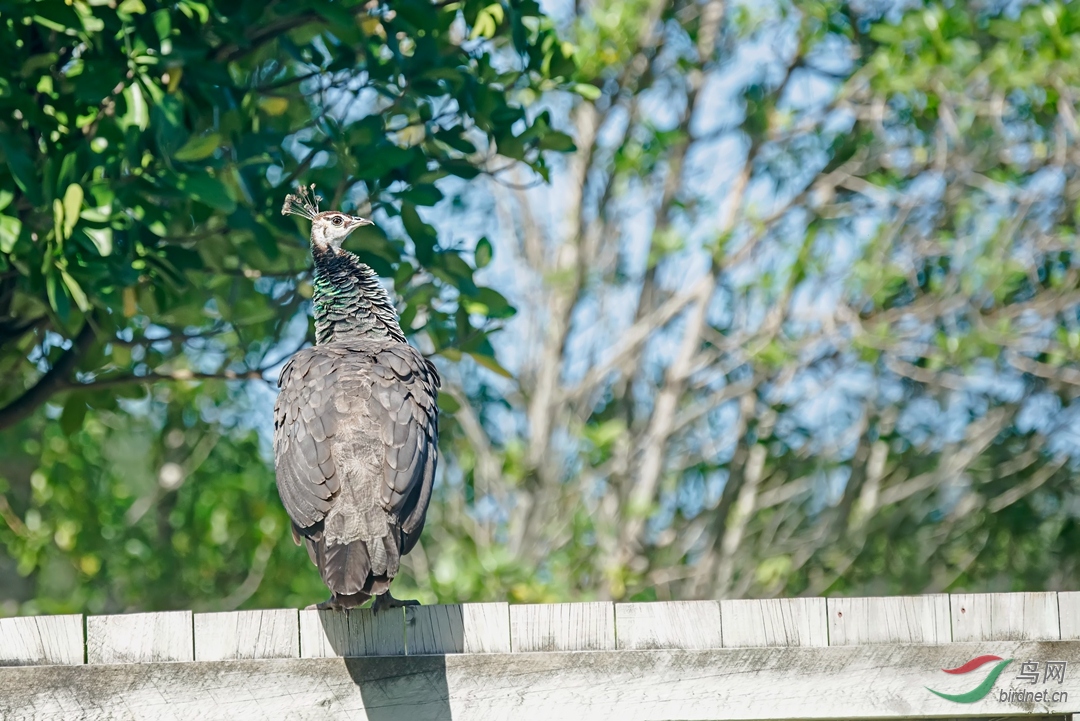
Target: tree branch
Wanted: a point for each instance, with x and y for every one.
(56, 379)
(180, 375)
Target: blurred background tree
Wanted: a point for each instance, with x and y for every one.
(799, 311)
(800, 315)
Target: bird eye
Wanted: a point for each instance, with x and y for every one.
(337, 220)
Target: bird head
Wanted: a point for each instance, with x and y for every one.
(328, 229)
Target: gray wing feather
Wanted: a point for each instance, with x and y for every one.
(406, 388)
(322, 391)
(306, 475)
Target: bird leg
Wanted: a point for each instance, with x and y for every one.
(385, 601)
(340, 603)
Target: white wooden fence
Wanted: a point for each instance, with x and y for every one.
(996, 655)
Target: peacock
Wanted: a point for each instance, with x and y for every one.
(355, 424)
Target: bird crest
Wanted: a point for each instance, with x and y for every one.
(304, 203)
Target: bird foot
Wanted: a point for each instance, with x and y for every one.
(385, 601)
(339, 603)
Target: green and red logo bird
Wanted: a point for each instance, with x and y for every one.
(980, 691)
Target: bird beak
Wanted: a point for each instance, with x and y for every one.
(357, 221)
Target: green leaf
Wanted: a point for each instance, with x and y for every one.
(197, 148)
(162, 25)
(102, 238)
(497, 305)
(58, 219)
(422, 234)
(209, 190)
(454, 139)
(58, 299)
(39, 62)
(554, 140)
(452, 268)
(138, 113)
(482, 254)
(131, 7)
(274, 105)
(73, 199)
(423, 195)
(334, 12)
(461, 169)
(487, 21)
(22, 168)
(76, 291)
(589, 92)
(448, 404)
(9, 232)
(491, 364)
(74, 413)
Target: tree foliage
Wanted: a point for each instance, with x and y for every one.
(145, 149)
(798, 313)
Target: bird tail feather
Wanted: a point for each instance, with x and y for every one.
(356, 567)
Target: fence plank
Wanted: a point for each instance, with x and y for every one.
(469, 628)
(562, 627)
(774, 622)
(899, 619)
(487, 628)
(273, 633)
(352, 633)
(1005, 617)
(41, 640)
(676, 624)
(742, 684)
(140, 637)
(1069, 614)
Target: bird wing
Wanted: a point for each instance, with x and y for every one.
(305, 422)
(404, 392)
(322, 388)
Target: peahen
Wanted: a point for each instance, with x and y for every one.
(355, 425)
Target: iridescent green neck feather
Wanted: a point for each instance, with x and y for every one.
(350, 302)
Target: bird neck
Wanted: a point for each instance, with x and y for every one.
(350, 302)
